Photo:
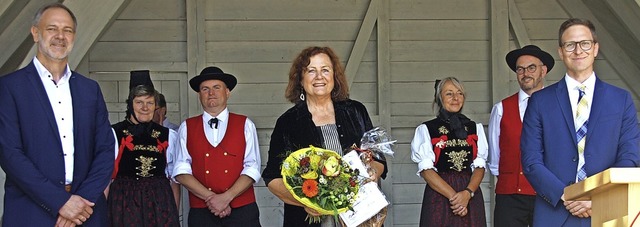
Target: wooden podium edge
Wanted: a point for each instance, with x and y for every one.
(601, 182)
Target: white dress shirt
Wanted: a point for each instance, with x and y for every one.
(494, 129)
(251, 162)
(422, 149)
(574, 94)
(59, 95)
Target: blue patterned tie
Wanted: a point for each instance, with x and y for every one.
(581, 133)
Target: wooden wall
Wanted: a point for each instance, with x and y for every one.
(414, 42)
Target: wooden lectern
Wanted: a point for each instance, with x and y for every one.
(614, 195)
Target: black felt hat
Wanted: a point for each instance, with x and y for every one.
(140, 77)
(213, 73)
(532, 50)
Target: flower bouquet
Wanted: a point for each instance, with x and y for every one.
(319, 179)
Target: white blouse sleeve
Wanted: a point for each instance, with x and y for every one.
(422, 150)
(483, 148)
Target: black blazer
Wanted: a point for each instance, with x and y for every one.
(295, 130)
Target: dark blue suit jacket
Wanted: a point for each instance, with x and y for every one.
(549, 146)
(31, 150)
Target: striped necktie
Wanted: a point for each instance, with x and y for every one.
(581, 133)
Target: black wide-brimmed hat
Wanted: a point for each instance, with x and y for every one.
(213, 73)
(532, 50)
(139, 77)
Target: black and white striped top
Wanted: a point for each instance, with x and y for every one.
(331, 138)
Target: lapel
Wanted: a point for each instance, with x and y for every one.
(41, 94)
(598, 98)
(562, 97)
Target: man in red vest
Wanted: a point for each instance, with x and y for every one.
(515, 197)
(219, 159)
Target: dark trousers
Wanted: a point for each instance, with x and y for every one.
(247, 215)
(514, 210)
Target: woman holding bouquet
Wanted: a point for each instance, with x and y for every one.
(451, 152)
(323, 116)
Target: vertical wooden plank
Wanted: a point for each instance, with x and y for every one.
(195, 61)
(518, 27)
(499, 48)
(384, 94)
(612, 51)
(499, 70)
(196, 50)
(361, 42)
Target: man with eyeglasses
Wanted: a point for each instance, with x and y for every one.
(514, 195)
(575, 128)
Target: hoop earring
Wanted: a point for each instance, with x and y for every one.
(302, 96)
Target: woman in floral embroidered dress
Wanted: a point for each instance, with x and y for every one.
(140, 193)
(451, 152)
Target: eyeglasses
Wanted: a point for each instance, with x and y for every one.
(531, 69)
(585, 45)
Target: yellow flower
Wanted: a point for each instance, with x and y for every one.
(331, 167)
(311, 175)
(315, 161)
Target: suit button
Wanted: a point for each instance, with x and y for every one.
(574, 159)
(206, 155)
(519, 190)
(207, 172)
(226, 171)
(225, 153)
(520, 173)
(209, 189)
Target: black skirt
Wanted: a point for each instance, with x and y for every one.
(143, 202)
(436, 209)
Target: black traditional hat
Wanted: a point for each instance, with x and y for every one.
(213, 73)
(140, 77)
(532, 50)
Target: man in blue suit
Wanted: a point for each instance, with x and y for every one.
(57, 147)
(575, 128)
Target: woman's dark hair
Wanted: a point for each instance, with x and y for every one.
(137, 91)
(294, 88)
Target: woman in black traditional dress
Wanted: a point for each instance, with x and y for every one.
(451, 152)
(140, 193)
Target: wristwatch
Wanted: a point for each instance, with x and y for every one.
(470, 191)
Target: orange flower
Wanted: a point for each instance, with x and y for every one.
(310, 188)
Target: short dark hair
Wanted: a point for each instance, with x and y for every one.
(160, 101)
(577, 21)
(294, 88)
(36, 18)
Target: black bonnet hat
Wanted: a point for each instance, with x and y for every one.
(532, 50)
(140, 77)
(213, 73)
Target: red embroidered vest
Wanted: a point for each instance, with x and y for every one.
(218, 168)
(511, 179)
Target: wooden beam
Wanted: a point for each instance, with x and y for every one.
(196, 50)
(519, 30)
(19, 32)
(94, 17)
(613, 52)
(360, 45)
(9, 9)
(628, 13)
(384, 89)
(499, 47)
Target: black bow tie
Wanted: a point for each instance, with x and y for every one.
(212, 122)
